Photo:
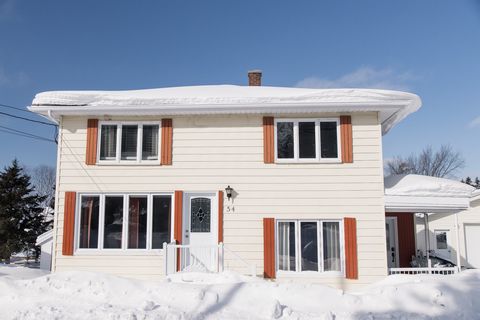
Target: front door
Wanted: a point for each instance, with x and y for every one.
(392, 241)
(201, 232)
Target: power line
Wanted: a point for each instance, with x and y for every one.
(16, 108)
(24, 134)
(26, 119)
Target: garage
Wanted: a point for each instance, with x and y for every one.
(472, 239)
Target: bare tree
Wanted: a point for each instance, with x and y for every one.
(43, 179)
(442, 163)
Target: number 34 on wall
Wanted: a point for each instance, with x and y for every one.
(229, 209)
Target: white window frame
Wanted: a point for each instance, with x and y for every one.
(118, 157)
(298, 264)
(296, 141)
(101, 221)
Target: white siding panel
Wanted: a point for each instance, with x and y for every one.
(211, 152)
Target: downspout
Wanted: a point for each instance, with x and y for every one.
(51, 118)
(459, 263)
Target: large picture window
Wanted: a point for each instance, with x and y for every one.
(124, 222)
(307, 140)
(309, 245)
(129, 142)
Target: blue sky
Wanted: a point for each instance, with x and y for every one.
(431, 48)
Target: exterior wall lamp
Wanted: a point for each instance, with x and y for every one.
(228, 192)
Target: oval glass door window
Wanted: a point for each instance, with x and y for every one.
(200, 215)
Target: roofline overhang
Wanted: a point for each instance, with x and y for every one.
(425, 204)
(392, 109)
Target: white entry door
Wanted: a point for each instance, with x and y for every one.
(442, 244)
(472, 240)
(392, 241)
(200, 232)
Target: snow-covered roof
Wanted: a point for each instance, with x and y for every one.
(423, 193)
(393, 106)
(44, 237)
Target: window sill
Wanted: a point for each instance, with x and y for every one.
(130, 164)
(310, 274)
(118, 252)
(314, 161)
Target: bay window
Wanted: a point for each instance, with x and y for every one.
(129, 142)
(123, 221)
(309, 245)
(307, 140)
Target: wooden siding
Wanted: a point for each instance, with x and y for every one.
(346, 138)
(69, 223)
(268, 140)
(92, 138)
(211, 152)
(351, 255)
(269, 248)
(167, 141)
(406, 237)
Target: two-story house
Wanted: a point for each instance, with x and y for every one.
(288, 180)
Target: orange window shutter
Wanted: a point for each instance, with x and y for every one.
(69, 223)
(268, 140)
(220, 216)
(346, 138)
(177, 229)
(351, 256)
(269, 248)
(92, 138)
(167, 141)
(178, 224)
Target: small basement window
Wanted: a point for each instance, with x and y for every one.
(309, 245)
(307, 140)
(129, 142)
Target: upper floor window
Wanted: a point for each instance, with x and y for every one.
(129, 142)
(307, 140)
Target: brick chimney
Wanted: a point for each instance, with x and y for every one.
(255, 78)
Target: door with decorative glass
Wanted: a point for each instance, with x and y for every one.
(200, 232)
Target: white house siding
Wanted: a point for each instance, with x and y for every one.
(446, 221)
(211, 152)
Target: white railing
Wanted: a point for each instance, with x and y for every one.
(426, 270)
(252, 268)
(200, 258)
(194, 258)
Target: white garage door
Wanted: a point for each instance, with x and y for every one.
(472, 239)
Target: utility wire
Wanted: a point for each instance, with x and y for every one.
(24, 134)
(26, 119)
(16, 108)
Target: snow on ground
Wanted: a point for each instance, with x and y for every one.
(83, 295)
(12, 271)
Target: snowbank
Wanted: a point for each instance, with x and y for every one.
(82, 295)
(12, 271)
(424, 186)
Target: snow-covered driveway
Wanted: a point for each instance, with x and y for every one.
(83, 295)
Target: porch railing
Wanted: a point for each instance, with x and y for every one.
(193, 258)
(426, 270)
(200, 258)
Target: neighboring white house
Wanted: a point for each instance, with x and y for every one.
(287, 181)
(449, 210)
(442, 234)
(45, 241)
